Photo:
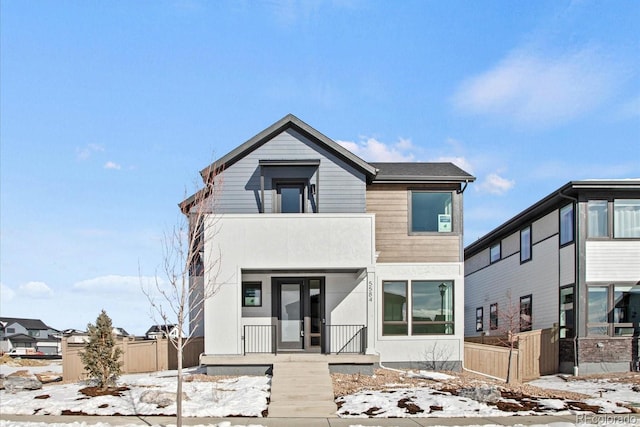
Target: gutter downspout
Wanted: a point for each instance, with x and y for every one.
(576, 273)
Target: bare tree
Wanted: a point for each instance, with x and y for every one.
(508, 328)
(191, 262)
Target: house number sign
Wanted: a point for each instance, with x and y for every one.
(370, 291)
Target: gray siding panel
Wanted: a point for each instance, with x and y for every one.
(341, 187)
(538, 277)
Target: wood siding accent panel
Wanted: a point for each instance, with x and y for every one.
(613, 260)
(341, 188)
(391, 206)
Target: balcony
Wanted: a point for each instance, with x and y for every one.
(294, 241)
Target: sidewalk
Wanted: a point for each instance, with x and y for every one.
(328, 422)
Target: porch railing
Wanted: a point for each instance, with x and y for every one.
(260, 339)
(345, 339)
(338, 339)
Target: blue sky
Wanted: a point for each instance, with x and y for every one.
(110, 109)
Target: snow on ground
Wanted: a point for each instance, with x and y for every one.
(54, 366)
(242, 396)
(248, 396)
(597, 388)
(229, 424)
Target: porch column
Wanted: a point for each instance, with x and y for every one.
(371, 310)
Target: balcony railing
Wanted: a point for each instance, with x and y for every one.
(337, 339)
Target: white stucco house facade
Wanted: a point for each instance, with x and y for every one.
(318, 252)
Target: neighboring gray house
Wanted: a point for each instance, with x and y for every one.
(28, 333)
(571, 260)
(161, 331)
(325, 253)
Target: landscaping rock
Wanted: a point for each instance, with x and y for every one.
(485, 394)
(18, 383)
(160, 398)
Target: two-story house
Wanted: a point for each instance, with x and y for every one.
(29, 333)
(318, 251)
(571, 261)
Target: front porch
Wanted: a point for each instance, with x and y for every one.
(260, 364)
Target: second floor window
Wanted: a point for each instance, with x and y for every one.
(495, 253)
(626, 218)
(597, 218)
(566, 224)
(525, 244)
(290, 197)
(431, 212)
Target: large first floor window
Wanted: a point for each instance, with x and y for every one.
(613, 309)
(418, 307)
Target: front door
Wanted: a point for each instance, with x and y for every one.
(299, 312)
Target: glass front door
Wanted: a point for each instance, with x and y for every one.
(299, 311)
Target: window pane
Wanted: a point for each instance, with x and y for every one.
(432, 301)
(493, 316)
(525, 313)
(626, 304)
(395, 308)
(598, 296)
(479, 319)
(566, 312)
(566, 224)
(597, 218)
(291, 199)
(494, 253)
(525, 244)
(251, 294)
(626, 218)
(431, 212)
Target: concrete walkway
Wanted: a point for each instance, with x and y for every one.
(302, 390)
(329, 422)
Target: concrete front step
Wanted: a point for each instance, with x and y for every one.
(301, 389)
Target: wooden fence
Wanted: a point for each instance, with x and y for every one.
(536, 354)
(137, 356)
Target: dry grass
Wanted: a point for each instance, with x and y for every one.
(5, 359)
(344, 384)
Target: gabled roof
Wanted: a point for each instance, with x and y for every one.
(26, 323)
(422, 172)
(21, 338)
(287, 122)
(561, 196)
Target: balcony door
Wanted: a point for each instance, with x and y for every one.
(298, 307)
(290, 197)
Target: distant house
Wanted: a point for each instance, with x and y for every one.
(570, 261)
(28, 333)
(161, 331)
(78, 336)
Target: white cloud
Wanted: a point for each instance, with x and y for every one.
(85, 152)
(6, 293)
(112, 165)
(35, 290)
(537, 90)
(495, 184)
(373, 150)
